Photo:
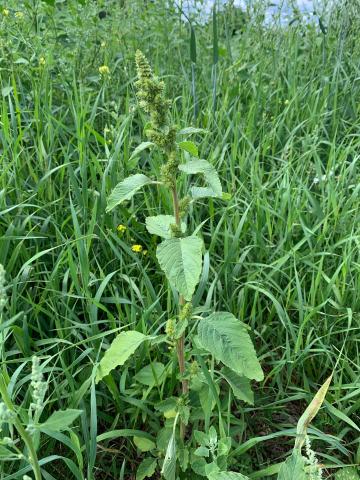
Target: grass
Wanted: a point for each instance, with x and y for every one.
(284, 248)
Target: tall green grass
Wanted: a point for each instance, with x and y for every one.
(282, 121)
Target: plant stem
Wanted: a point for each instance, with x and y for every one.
(180, 344)
(34, 462)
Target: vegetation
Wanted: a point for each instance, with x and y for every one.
(129, 323)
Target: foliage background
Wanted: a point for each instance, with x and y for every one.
(284, 248)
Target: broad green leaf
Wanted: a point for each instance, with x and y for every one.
(60, 420)
(229, 476)
(293, 468)
(183, 458)
(198, 465)
(202, 452)
(210, 174)
(240, 385)
(181, 260)
(191, 131)
(169, 466)
(146, 468)
(144, 444)
(310, 413)
(122, 347)
(224, 446)
(140, 148)
(228, 340)
(161, 225)
(167, 407)
(189, 147)
(150, 374)
(126, 189)
(202, 192)
(347, 473)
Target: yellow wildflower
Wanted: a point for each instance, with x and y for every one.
(104, 70)
(121, 228)
(42, 61)
(5, 12)
(19, 15)
(137, 248)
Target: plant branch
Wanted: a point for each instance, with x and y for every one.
(34, 462)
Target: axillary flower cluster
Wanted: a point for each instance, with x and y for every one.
(150, 92)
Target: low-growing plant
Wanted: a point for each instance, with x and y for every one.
(21, 428)
(297, 465)
(210, 346)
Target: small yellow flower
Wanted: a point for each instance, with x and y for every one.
(103, 44)
(137, 248)
(19, 15)
(5, 12)
(104, 70)
(121, 228)
(42, 61)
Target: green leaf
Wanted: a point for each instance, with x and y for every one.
(126, 189)
(191, 131)
(140, 148)
(215, 38)
(201, 438)
(227, 339)
(202, 192)
(240, 385)
(169, 466)
(212, 470)
(22, 61)
(224, 446)
(198, 465)
(293, 467)
(150, 374)
(181, 260)
(6, 454)
(146, 468)
(60, 420)
(161, 225)
(347, 473)
(230, 476)
(144, 444)
(204, 167)
(192, 44)
(6, 91)
(122, 347)
(202, 452)
(310, 413)
(189, 147)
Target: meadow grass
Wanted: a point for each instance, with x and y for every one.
(284, 247)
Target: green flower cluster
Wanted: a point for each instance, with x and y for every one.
(39, 387)
(151, 95)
